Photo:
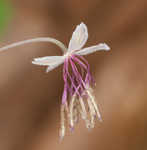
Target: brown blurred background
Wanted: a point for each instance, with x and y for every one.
(30, 99)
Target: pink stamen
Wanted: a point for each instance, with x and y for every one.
(76, 81)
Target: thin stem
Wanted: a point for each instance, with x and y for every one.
(42, 39)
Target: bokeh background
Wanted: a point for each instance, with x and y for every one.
(30, 99)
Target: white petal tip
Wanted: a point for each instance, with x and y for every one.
(82, 24)
(37, 63)
(106, 47)
(33, 62)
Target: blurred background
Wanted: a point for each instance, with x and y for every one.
(30, 98)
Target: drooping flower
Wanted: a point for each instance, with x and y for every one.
(78, 81)
(78, 100)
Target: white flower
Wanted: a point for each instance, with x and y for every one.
(78, 100)
(78, 40)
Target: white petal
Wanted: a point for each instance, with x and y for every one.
(50, 61)
(79, 37)
(93, 49)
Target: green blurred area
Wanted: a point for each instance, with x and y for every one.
(5, 14)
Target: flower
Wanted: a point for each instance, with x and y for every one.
(78, 100)
(78, 81)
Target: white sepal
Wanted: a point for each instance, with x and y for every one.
(50, 61)
(79, 37)
(92, 49)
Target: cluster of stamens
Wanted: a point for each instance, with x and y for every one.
(78, 100)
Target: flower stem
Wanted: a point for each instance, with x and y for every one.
(42, 39)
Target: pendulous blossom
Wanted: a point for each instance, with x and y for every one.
(78, 100)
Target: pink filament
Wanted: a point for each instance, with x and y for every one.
(75, 80)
